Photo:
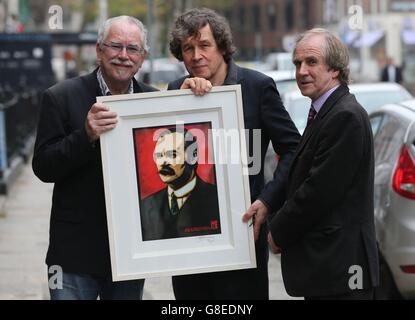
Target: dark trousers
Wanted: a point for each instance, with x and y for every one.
(366, 294)
(247, 284)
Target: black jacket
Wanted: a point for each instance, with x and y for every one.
(265, 113)
(263, 110)
(63, 155)
(326, 225)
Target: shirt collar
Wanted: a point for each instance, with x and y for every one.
(104, 88)
(322, 99)
(232, 76)
(183, 191)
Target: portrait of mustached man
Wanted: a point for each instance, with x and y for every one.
(187, 206)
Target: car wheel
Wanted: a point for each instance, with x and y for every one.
(387, 289)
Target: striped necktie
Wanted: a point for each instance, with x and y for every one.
(311, 114)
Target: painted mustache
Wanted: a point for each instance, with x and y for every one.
(127, 63)
(166, 171)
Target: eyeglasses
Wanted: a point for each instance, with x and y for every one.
(131, 50)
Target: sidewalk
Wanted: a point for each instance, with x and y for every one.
(24, 238)
(24, 231)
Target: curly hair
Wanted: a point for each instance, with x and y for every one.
(188, 25)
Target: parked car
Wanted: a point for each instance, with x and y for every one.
(254, 65)
(280, 61)
(393, 128)
(284, 80)
(164, 71)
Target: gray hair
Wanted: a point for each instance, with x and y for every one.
(336, 54)
(105, 27)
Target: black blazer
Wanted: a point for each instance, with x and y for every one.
(327, 225)
(198, 216)
(78, 240)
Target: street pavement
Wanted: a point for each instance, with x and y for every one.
(24, 230)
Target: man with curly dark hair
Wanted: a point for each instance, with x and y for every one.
(202, 39)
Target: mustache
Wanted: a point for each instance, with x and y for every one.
(166, 171)
(127, 63)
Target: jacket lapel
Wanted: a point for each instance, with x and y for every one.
(91, 82)
(327, 106)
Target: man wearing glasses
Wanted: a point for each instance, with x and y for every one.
(67, 153)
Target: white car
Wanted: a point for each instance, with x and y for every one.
(164, 71)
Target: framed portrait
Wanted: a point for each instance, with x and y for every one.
(176, 184)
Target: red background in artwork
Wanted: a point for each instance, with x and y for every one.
(148, 178)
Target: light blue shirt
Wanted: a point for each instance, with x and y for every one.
(323, 98)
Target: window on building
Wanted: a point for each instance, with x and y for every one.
(228, 15)
(242, 20)
(272, 17)
(306, 14)
(243, 53)
(330, 11)
(289, 14)
(256, 11)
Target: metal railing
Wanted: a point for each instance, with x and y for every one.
(19, 109)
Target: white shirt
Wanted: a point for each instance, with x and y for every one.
(183, 193)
